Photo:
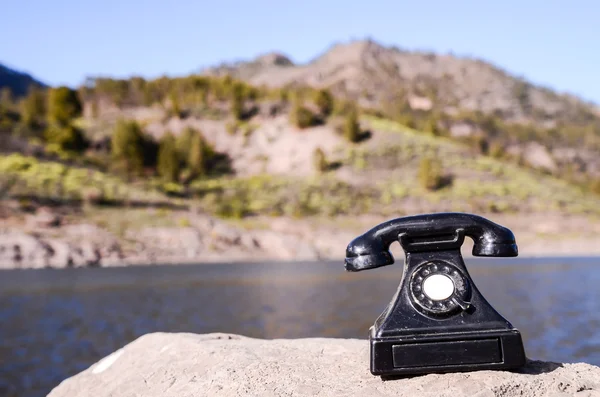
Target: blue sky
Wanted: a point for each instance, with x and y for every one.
(552, 42)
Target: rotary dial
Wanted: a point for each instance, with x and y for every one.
(439, 288)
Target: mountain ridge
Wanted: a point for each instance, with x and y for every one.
(17, 81)
(491, 83)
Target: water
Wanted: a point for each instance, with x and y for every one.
(56, 323)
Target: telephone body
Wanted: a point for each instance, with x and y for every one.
(437, 321)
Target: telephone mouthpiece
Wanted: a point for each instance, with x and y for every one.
(368, 261)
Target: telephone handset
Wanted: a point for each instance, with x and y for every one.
(438, 321)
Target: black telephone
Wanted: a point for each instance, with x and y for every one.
(438, 321)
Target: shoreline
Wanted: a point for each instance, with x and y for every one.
(184, 262)
(39, 243)
(314, 262)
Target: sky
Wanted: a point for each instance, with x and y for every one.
(553, 43)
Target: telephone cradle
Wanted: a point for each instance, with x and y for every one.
(437, 321)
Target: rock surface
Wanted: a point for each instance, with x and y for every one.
(182, 365)
(208, 239)
(80, 245)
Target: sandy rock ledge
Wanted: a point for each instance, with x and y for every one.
(182, 365)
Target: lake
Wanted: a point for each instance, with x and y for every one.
(56, 323)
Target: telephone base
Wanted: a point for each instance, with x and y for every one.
(446, 352)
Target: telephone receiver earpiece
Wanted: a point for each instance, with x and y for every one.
(438, 321)
(429, 232)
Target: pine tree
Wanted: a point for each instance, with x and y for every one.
(320, 161)
(175, 106)
(6, 98)
(168, 161)
(63, 106)
(183, 143)
(430, 126)
(430, 173)
(352, 126)
(8, 118)
(324, 101)
(197, 156)
(127, 147)
(300, 116)
(33, 108)
(237, 105)
(68, 138)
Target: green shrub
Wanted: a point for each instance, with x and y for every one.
(324, 101)
(127, 147)
(595, 186)
(168, 159)
(233, 206)
(184, 142)
(481, 145)
(342, 107)
(430, 126)
(248, 129)
(66, 138)
(302, 117)
(198, 155)
(184, 222)
(496, 150)
(430, 174)
(175, 105)
(409, 120)
(8, 119)
(172, 189)
(33, 108)
(63, 106)
(237, 103)
(56, 180)
(149, 151)
(352, 126)
(320, 160)
(282, 95)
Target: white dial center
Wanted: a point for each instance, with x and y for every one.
(438, 287)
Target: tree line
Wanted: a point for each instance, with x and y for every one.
(50, 115)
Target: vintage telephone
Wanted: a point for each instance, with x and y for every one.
(438, 321)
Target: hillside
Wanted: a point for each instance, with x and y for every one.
(16, 81)
(376, 75)
(203, 168)
(468, 98)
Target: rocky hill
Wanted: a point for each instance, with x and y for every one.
(376, 74)
(17, 82)
(138, 171)
(468, 97)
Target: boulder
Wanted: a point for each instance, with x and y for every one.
(78, 246)
(420, 103)
(461, 130)
(44, 217)
(535, 155)
(226, 234)
(539, 156)
(178, 365)
(18, 249)
(93, 240)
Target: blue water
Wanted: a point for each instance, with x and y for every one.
(56, 323)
